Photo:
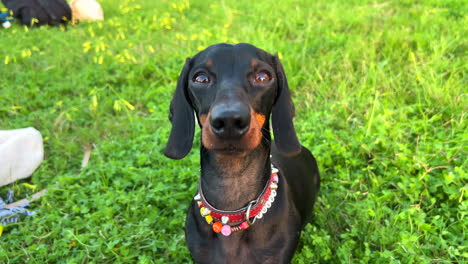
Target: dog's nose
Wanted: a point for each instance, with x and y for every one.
(230, 121)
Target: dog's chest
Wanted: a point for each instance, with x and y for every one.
(262, 246)
(252, 251)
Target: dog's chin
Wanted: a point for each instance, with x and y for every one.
(230, 151)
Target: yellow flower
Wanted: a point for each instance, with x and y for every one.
(117, 106)
(98, 60)
(413, 57)
(128, 105)
(94, 101)
(206, 32)
(86, 46)
(91, 31)
(26, 53)
(181, 36)
(34, 21)
(30, 186)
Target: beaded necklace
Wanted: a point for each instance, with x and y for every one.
(227, 222)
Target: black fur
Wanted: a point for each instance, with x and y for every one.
(234, 173)
(44, 12)
(182, 119)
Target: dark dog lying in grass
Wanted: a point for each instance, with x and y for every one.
(254, 196)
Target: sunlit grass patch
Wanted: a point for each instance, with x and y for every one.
(380, 94)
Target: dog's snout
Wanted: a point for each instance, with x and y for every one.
(230, 121)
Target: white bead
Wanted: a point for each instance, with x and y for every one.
(224, 219)
(274, 170)
(273, 193)
(264, 210)
(259, 215)
(197, 197)
(271, 199)
(268, 204)
(205, 212)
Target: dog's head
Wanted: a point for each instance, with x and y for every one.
(232, 89)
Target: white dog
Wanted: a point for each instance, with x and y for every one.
(86, 10)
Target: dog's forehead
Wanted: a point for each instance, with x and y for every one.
(227, 53)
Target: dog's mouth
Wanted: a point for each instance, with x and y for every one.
(231, 149)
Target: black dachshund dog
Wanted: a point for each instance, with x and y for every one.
(254, 195)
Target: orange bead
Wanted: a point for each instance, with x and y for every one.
(217, 227)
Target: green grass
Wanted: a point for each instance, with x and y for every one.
(380, 89)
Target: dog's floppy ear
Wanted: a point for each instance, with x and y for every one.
(182, 119)
(282, 115)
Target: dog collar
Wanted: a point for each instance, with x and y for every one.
(226, 222)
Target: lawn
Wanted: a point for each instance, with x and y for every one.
(380, 89)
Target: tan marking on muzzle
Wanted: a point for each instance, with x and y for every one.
(202, 118)
(254, 134)
(260, 119)
(207, 134)
(209, 63)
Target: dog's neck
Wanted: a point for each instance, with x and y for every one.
(230, 182)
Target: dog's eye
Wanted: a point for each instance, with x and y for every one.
(201, 78)
(262, 77)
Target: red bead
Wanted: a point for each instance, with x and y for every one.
(275, 178)
(217, 227)
(244, 225)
